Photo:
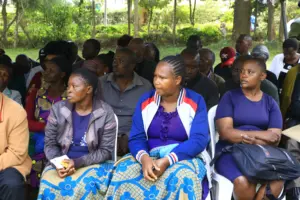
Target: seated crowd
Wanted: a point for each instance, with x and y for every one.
(134, 126)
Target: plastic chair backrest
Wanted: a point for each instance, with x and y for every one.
(115, 157)
(212, 129)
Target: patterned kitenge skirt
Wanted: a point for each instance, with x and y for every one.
(183, 180)
(124, 180)
(87, 183)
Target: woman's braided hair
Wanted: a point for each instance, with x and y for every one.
(177, 65)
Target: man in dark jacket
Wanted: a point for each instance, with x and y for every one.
(144, 68)
(198, 82)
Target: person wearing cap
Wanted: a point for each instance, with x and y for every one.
(261, 51)
(285, 61)
(243, 45)
(207, 60)
(15, 164)
(227, 55)
(40, 101)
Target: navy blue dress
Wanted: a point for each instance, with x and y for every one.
(247, 115)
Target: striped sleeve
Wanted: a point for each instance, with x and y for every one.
(172, 157)
(140, 154)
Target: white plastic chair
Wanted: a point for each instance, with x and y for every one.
(115, 156)
(222, 187)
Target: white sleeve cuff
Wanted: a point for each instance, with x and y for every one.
(140, 154)
(172, 157)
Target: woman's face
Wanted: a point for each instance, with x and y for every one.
(52, 73)
(78, 89)
(251, 75)
(165, 81)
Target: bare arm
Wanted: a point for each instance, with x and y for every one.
(229, 133)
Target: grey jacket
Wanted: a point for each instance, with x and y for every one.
(100, 136)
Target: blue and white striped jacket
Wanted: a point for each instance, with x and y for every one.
(192, 112)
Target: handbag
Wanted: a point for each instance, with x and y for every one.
(261, 163)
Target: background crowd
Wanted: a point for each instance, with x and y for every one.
(158, 108)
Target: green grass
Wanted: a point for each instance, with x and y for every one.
(274, 48)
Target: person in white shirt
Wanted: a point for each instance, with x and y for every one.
(283, 62)
(37, 69)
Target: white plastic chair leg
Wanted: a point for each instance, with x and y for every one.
(223, 188)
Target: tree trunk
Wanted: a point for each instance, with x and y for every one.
(281, 30)
(283, 21)
(194, 10)
(27, 35)
(174, 22)
(4, 18)
(241, 22)
(136, 18)
(271, 25)
(105, 12)
(256, 15)
(190, 6)
(94, 19)
(129, 16)
(150, 19)
(17, 25)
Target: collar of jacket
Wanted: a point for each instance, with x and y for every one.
(186, 108)
(97, 111)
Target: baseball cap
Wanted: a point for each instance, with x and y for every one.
(227, 55)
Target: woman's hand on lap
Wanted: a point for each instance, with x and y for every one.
(71, 167)
(68, 171)
(61, 173)
(270, 138)
(163, 164)
(147, 166)
(247, 139)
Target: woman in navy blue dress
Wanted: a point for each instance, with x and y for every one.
(247, 115)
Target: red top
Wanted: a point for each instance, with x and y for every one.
(33, 124)
(36, 81)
